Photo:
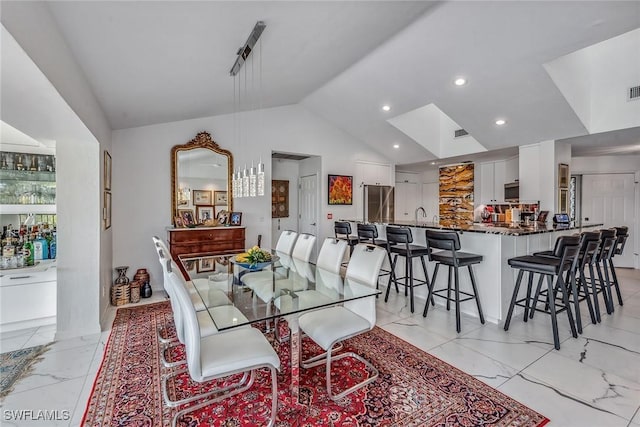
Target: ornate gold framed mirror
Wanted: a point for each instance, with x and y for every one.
(200, 180)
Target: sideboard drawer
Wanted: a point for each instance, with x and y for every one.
(208, 235)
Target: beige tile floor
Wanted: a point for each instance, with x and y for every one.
(593, 380)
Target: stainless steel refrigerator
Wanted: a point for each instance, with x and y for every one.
(378, 203)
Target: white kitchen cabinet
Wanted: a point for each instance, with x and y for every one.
(492, 180)
(406, 200)
(28, 296)
(373, 174)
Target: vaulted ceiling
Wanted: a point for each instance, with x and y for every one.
(153, 62)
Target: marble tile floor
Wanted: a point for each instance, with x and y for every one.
(593, 380)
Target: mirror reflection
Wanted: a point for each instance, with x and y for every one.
(201, 184)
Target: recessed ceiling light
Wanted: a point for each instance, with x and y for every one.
(460, 81)
(433, 163)
(501, 122)
(386, 108)
(396, 145)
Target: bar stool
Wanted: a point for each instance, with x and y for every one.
(399, 242)
(574, 277)
(622, 233)
(368, 233)
(608, 242)
(451, 256)
(342, 231)
(548, 267)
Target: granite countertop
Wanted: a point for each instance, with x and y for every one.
(507, 229)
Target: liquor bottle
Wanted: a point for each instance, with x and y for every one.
(41, 248)
(53, 247)
(28, 252)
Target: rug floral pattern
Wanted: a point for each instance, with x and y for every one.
(413, 389)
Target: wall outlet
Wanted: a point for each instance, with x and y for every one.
(329, 216)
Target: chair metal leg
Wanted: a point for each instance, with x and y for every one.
(565, 301)
(552, 308)
(475, 292)
(534, 301)
(607, 287)
(526, 301)
(172, 403)
(372, 378)
(430, 294)
(514, 298)
(163, 357)
(449, 290)
(581, 282)
(274, 397)
(457, 294)
(409, 262)
(614, 276)
(393, 277)
(594, 293)
(426, 278)
(571, 282)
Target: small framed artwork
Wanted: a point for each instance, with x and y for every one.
(107, 170)
(187, 216)
(235, 218)
(563, 176)
(178, 221)
(204, 213)
(563, 200)
(220, 198)
(106, 215)
(206, 264)
(222, 216)
(202, 197)
(340, 190)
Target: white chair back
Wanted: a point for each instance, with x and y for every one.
(364, 267)
(304, 246)
(286, 241)
(190, 326)
(328, 282)
(162, 245)
(331, 254)
(167, 269)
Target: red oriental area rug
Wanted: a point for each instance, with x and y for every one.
(413, 389)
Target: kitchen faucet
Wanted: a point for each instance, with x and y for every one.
(424, 213)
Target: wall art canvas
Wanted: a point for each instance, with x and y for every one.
(340, 190)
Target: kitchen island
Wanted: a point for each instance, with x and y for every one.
(496, 243)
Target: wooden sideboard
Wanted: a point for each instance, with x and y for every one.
(205, 240)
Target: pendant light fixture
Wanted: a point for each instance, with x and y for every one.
(247, 182)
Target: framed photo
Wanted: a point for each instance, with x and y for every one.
(235, 218)
(178, 221)
(106, 213)
(220, 198)
(279, 198)
(563, 176)
(204, 213)
(107, 170)
(202, 197)
(206, 264)
(222, 216)
(340, 190)
(187, 216)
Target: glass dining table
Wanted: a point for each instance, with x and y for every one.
(283, 288)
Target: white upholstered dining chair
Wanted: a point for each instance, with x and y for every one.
(284, 247)
(220, 355)
(332, 325)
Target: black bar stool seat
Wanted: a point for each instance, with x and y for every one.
(451, 256)
(549, 267)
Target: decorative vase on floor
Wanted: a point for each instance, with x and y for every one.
(145, 291)
(122, 275)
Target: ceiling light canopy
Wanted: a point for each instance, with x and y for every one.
(460, 81)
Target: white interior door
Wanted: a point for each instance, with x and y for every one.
(610, 199)
(308, 197)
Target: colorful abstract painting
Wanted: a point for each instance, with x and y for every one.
(340, 190)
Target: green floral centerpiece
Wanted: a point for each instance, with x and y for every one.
(254, 256)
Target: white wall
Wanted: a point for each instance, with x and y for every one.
(141, 199)
(288, 170)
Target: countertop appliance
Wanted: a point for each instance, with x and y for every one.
(378, 204)
(512, 192)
